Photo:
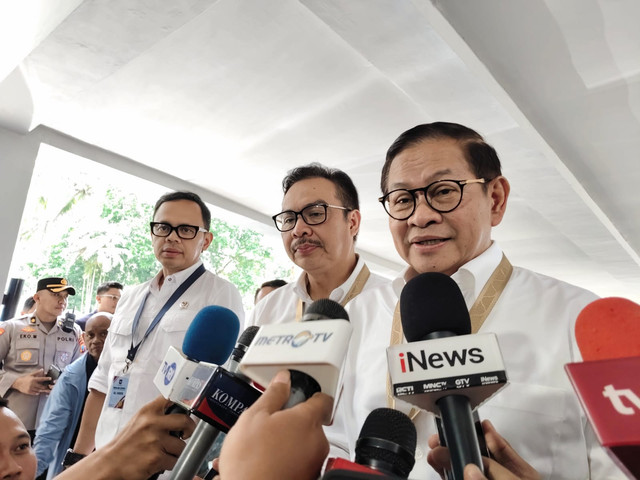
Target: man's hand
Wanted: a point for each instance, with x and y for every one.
(33, 383)
(143, 447)
(505, 465)
(273, 444)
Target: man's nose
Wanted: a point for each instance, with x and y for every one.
(300, 228)
(423, 214)
(9, 468)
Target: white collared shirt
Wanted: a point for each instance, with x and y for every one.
(538, 412)
(209, 289)
(280, 305)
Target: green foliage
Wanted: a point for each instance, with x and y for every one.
(115, 245)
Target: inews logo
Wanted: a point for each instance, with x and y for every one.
(295, 341)
(409, 361)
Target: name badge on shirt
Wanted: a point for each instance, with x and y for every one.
(118, 391)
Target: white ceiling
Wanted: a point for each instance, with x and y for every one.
(230, 94)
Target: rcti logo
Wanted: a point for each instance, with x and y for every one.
(616, 397)
(169, 372)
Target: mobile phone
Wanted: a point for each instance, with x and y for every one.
(53, 372)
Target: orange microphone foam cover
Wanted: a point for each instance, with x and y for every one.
(609, 328)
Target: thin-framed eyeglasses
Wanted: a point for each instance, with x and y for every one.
(186, 232)
(311, 214)
(443, 196)
(112, 297)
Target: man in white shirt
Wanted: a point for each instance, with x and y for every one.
(443, 190)
(140, 333)
(319, 225)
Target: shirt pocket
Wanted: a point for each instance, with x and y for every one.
(27, 351)
(543, 424)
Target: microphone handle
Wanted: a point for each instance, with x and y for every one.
(459, 433)
(194, 452)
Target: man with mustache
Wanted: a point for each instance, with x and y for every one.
(319, 223)
(152, 317)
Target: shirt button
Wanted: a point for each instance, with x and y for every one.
(419, 453)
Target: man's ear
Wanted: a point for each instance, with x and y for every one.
(208, 238)
(499, 189)
(354, 218)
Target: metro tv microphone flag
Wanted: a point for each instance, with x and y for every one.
(608, 381)
(315, 349)
(444, 369)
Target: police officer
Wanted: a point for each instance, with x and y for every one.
(31, 344)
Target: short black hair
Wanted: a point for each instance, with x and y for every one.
(345, 189)
(482, 157)
(277, 283)
(28, 303)
(194, 197)
(104, 287)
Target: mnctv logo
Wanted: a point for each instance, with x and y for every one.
(439, 359)
(616, 397)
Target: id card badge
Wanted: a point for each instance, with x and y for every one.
(118, 391)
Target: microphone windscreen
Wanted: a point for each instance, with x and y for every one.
(432, 302)
(211, 335)
(248, 335)
(387, 438)
(609, 328)
(325, 309)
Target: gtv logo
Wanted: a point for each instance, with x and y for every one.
(616, 397)
(169, 372)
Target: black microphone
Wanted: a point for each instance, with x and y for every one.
(225, 397)
(432, 307)
(385, 448)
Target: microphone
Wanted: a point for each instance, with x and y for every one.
(208, 341)
(608, 332)
(444, 369)
(314, 352)
(225, 397)
(385, 448)
(181, 377)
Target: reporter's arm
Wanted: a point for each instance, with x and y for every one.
(268, 443)
(143, 447)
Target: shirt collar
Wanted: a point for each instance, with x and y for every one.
(338, 293)
(471, 277)
(174, 279)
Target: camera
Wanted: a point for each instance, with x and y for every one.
(68, 322)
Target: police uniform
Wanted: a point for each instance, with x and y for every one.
(26, 346)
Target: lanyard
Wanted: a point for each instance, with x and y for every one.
(133, 350)
(353, 292)
(479, 312)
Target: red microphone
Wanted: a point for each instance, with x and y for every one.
(608, 381)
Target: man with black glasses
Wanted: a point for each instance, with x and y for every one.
(152, 317)
(319, 223)
(443, 190)
(107, 297)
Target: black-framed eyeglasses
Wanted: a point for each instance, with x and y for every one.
(311, 214)
(186, 232)
(443, 196)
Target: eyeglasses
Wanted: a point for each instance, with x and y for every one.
(443, 196)
(186, 232)
(311, 214)
(112, 297)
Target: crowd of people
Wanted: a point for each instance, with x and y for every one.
(443, 190)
